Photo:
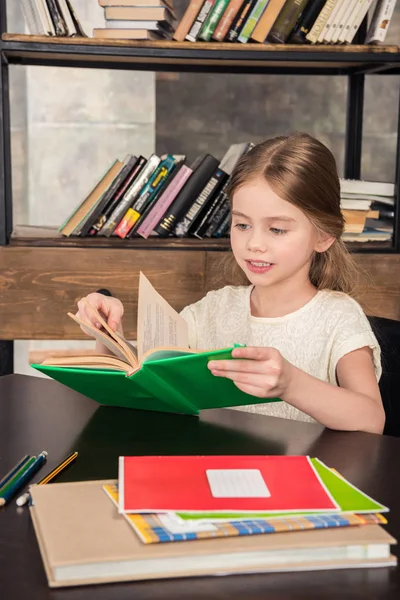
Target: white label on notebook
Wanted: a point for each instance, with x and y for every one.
(237, 483)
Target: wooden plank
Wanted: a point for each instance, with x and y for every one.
(170, 45)
(38, 286)
(379, 290)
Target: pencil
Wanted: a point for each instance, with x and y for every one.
(23, 478)
(14, 470)
(49, 477)
(17, 475)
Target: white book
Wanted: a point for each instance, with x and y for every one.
(347, 204)
(35, 17)
(46, 17)
(330, 20)
(358, 19)
(380, 21)
(319, 23)
(67, 17)
(361, 187)
(342, 18)
(150, 25)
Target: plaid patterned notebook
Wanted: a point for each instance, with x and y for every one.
(158, 528)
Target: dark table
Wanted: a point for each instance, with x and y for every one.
(38, 414)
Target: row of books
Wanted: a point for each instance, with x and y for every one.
(162, 196)
(136, 20)
(51, 17)
(368, 207)
(283, 21)
(180, 516)
(159, 196)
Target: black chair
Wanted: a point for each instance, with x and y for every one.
(387, 332)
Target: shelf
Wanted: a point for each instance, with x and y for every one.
(45, 237)
(199, 57)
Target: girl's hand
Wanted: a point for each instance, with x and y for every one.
(111, 308)
(263, 372)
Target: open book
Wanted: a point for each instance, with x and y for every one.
(161, 373)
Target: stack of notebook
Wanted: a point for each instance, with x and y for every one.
(136, 20)
(188, 516)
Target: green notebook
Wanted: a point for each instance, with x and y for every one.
(349, 499)
(167, 377)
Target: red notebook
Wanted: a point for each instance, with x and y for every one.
(221, 484)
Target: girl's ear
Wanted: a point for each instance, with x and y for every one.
(324, 241)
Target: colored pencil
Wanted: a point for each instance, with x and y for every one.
(49, 477)
(13, 471)
(23, 479)
(17, 476)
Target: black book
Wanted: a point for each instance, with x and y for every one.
(224, 208)
(239, 21)
(204, 223)
(223, 227)
(108, 195)
(60, 25)
(306, 21)
(196, 211)
(108, 210)
(188, 194)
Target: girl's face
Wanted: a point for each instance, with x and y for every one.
(272, 240)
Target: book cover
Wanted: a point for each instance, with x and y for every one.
(212, 20)
(269, 17)
(226, 20)
(306, 22)
(320, 22)
(195, 29)
(252, 21)
(57, 18)
(149, 484)
(380, 21)
(240, 19)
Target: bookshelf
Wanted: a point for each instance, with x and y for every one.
(46, 257)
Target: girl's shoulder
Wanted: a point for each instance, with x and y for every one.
(339, 300)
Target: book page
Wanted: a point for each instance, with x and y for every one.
(158, 324)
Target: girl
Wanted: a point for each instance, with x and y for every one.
(307, 341)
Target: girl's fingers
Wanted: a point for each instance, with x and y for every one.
(255, 380)
(244, 366)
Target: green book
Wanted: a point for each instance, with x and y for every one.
(212, 20)
(168, 378)
(348, 498)
(252, 21)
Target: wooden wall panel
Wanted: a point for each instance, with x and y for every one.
(39, 285)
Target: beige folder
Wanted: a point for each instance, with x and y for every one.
(83, 540)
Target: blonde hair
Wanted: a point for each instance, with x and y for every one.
(302, 171)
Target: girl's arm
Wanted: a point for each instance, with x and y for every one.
(355, 405)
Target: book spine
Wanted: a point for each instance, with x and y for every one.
(188, 19)
(306, 22)
(218, 216)
(203, 225)
(380, 21)
(206, 195)
(152, 188)
(240, 20)
(126, 224)
(106, 212)
(201, 175)
(224, 225)
(284, 25)
(164, 202)
(269, 17)
(106, 197)
(57, 18)
(321, 20)
(32, 18)
(200, 19)
(120, 209)
(75, 20)
(212, 20)
(251, 22)
(333, 20)
(137, 186)
(340, 23)
(226, 20)
(356, 23)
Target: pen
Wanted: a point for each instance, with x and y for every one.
(23, 479)
(14, 470)
(49, 477)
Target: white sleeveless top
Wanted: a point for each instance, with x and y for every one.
(313, 338)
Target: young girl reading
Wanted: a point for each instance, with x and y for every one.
(307, 340)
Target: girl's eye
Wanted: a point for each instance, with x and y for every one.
(242, 226)
(278, 231)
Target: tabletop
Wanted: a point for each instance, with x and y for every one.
(39, 414)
